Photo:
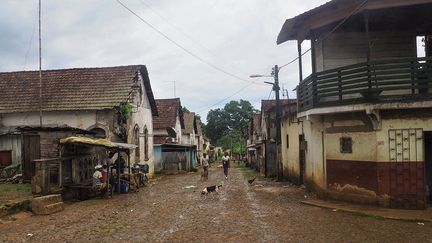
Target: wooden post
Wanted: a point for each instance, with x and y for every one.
(299, 49)
(129, 168)
(313, 51)
(313, 56)
(118, 172)
(366, 23)
(368, 54)
(340, 85)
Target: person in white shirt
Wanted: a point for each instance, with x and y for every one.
(226, 164)
(98, 183)
(205, 163)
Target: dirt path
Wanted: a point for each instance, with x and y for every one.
(166, 212)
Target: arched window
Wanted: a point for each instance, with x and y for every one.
(137, 143)
(146, 150)
(98, 132)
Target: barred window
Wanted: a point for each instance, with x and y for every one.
(346, 145)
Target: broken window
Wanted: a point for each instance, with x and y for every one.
(346, 145)
(146, 149)
(137, 143)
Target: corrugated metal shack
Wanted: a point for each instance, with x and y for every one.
(175, 157)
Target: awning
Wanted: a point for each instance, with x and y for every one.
(98, 142)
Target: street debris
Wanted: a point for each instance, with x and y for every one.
(189, 187)
(420, 223)
(30, 235)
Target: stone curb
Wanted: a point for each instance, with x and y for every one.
(11, 208)
(366, 213)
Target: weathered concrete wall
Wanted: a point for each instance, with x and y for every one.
(363, 146)
(386, 166)
(345, 48)
(13, 143)
(315, 166)
(290, 149)
(142, 119)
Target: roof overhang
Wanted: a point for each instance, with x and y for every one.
(98, 142)
(148, 90)
(299, 27)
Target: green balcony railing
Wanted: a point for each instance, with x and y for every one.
(395, 80)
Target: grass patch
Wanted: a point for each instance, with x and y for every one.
(10, 192)
(8, 218)
(247, 172)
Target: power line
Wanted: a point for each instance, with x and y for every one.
(183, 48)
(295, 59)
(30, 42)
(271, 91)
(189, 37)
(330, 32)
(177, 28)
(217, 103)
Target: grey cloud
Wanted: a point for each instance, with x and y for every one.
(239, 36)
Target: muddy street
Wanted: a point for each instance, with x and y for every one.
(167, 212)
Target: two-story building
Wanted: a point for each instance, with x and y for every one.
(365, 112)
(270, 164)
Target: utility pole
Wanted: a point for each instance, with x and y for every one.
(40, 66)
(276, 88)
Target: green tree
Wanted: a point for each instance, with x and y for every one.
(233, 141)
(228, 124)
(184, 109)
(217, 125)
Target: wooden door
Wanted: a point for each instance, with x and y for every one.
(31, 151)
(270, 159)
(302, 159)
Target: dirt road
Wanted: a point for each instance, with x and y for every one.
(166, 212)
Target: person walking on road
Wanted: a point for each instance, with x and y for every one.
(226, 164)
(205, 164)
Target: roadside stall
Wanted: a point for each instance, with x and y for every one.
(72, 172)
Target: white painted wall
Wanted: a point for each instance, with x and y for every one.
(315, 165)
(290, 155)
(364, 146)
(405, 123)
(78, 119)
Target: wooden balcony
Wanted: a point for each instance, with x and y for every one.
(395, 80)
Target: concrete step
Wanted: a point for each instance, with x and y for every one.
(47, 204)
(48, 199)
(48, 209)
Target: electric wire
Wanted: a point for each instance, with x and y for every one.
(30, 42)
(177, 28)
(330, 32)
(186, 35)
(217, 103)
(271, 91)
(182, 47)
(295, 59)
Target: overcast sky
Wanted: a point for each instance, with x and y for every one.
(238, 36)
